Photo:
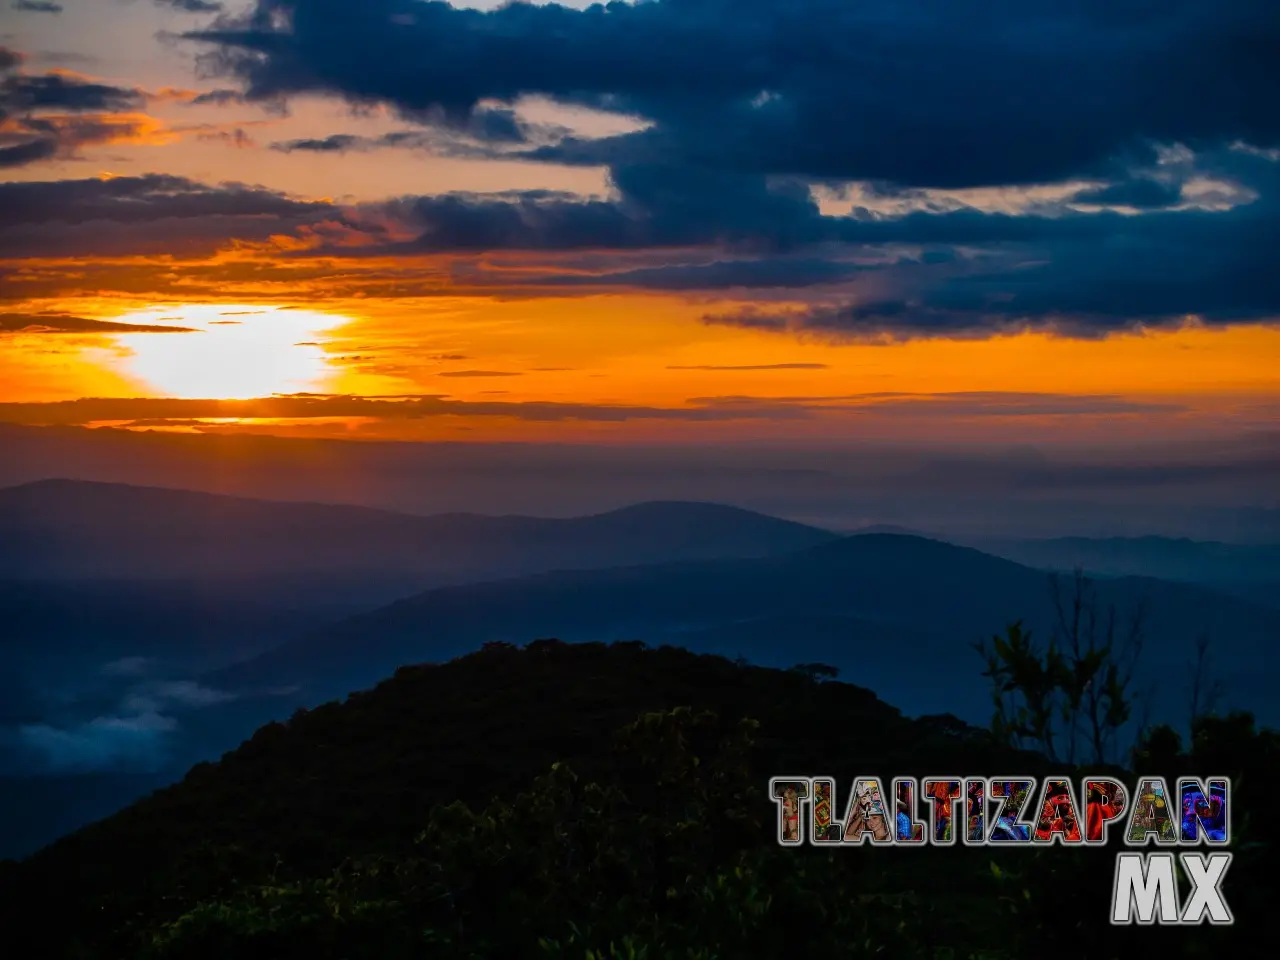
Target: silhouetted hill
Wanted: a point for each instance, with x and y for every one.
(407, 822)
(914, 607)
(65, 528)
(361, 776)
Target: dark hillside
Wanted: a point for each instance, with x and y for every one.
(360, 776)
(369, 829)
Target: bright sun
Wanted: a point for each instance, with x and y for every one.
(238, 353)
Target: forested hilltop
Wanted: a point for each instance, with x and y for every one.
(597, 801)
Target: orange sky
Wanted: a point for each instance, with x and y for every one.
(268, 319)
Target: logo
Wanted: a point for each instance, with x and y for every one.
(1022, 810)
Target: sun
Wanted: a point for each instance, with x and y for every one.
(236, 352)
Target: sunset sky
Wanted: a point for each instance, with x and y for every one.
(681, 220)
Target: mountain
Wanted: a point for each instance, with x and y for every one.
(361, 776)
(76, 529)
(898, 614)
(114, 598)
(402, 821)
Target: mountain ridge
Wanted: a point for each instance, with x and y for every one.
(942, 598)
(71, 528)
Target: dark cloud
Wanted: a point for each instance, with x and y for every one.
(84, 219)
(191, 6)
(135, 742)
(137, 733)
(926, 92)
(32, 151)
(750, 104)
(1140, 192)
(337, 143)
(771, 273)
(484, 133)
(665, 207)
(235, 137)
(9, 59)
(161, 412)
(134, 200)
(310, 406)
(62, 323)
(49, 115)
(63, 92)
(220, 97)
(954, 272)
(37, 6)
(754, 366)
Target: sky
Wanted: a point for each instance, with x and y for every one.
(677, 222)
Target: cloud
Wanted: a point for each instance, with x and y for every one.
(55, 114)
(1138, 237)
(220, 97)
(37, 6)
(162, 412)
(485, 133)
(235, 137)
(142, 199)
(917, 93)
(61, 137)
(30, 152)
(758, 273)
(135, 734)
(191, 6)
(151, 698)
(62, 323)
(309, 406)
(1140, 192)
(173, 216)
(752, 106)
(109, 742)
(66, 92)
(754, 366)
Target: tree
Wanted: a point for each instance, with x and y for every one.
(1075, 695)
(817, 672)
(671, 859)
(1100, 657)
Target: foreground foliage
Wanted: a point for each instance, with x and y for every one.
(654, 840)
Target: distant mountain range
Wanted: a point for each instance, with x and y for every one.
(896, 613)
(144, 629)
(76, 529)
